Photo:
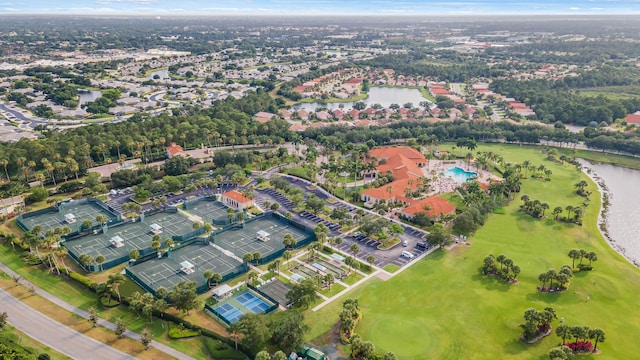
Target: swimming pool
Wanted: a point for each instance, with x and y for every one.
(459, 175)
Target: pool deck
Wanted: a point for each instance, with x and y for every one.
(442, 185)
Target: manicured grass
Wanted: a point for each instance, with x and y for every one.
(391, 268)
(335, 288)
(352, 278)
(14, 335)
(442, 308)
(600, 157)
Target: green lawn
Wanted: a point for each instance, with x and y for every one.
(442, 308)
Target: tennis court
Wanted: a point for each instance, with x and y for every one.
(247, 301)
(229, 312)
(135, 235)
(244, 240)
(208, 209)
(173, 224)
(277, 290)
(253, 303)
(165, 271)
(55, 219)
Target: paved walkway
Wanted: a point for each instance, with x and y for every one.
(54, 334)
(109, 325)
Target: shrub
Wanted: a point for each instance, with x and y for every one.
(327, 249)
(218, 350)
(83, 280)
(32, 260)
(580, 346)
(179, 332)
(585, 267)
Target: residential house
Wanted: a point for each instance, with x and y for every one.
(11, 205)
(174, 150)
(633, 118)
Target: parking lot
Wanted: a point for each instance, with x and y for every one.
(368, 246)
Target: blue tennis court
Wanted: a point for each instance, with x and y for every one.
(229, 312)
(252, 302)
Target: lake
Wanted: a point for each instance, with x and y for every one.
(87, 96)
(624, 209)
(377, 95)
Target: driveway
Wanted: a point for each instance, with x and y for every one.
(55, 335)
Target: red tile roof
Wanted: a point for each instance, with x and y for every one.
(237, 196)
(174, 149)
(437, 206)
(632, 119)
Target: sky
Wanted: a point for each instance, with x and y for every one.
(312, 7)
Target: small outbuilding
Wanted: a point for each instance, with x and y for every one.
(263, 235)
(187, 267)
(70, 218)
(222, 292)
(116, 241)
(155, 228)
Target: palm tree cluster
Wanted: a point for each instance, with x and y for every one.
(561, 279)
(537, 322)
(535, 208)
(508, 271)
(582, 335)
(349, 317)
(580, 188)
(580, 254)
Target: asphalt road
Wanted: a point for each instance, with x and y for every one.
(55, 335)
(19, 116)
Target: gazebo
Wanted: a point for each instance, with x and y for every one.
(263, 235)
(222, 291)
(116, 241)
(187, 267)
(155, 228)
(70, 218)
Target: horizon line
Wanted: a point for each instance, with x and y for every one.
(376, 14)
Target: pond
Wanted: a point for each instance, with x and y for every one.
(377, 95)
(88, 95)
(623, 218)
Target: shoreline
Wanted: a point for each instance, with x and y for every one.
(603, 224)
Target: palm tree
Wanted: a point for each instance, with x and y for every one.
(208, 274)
(563, 331)
(355, 249)
(574, 254)
(552, 274)
(288, 240)
(544, 277)
(115, 280)
(5, 163)
(247, 258)
(216, 278)
(597, 335)
(234, 330)
(101, 219)
(287, 256)
(99, 260)
(569, 209)
(257, 256)
(591, 256)
(557, 211)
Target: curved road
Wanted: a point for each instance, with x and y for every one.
(54, 334)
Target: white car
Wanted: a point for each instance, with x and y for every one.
(407, 255)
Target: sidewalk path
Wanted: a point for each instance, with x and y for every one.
(55, 335)
(109, 325)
